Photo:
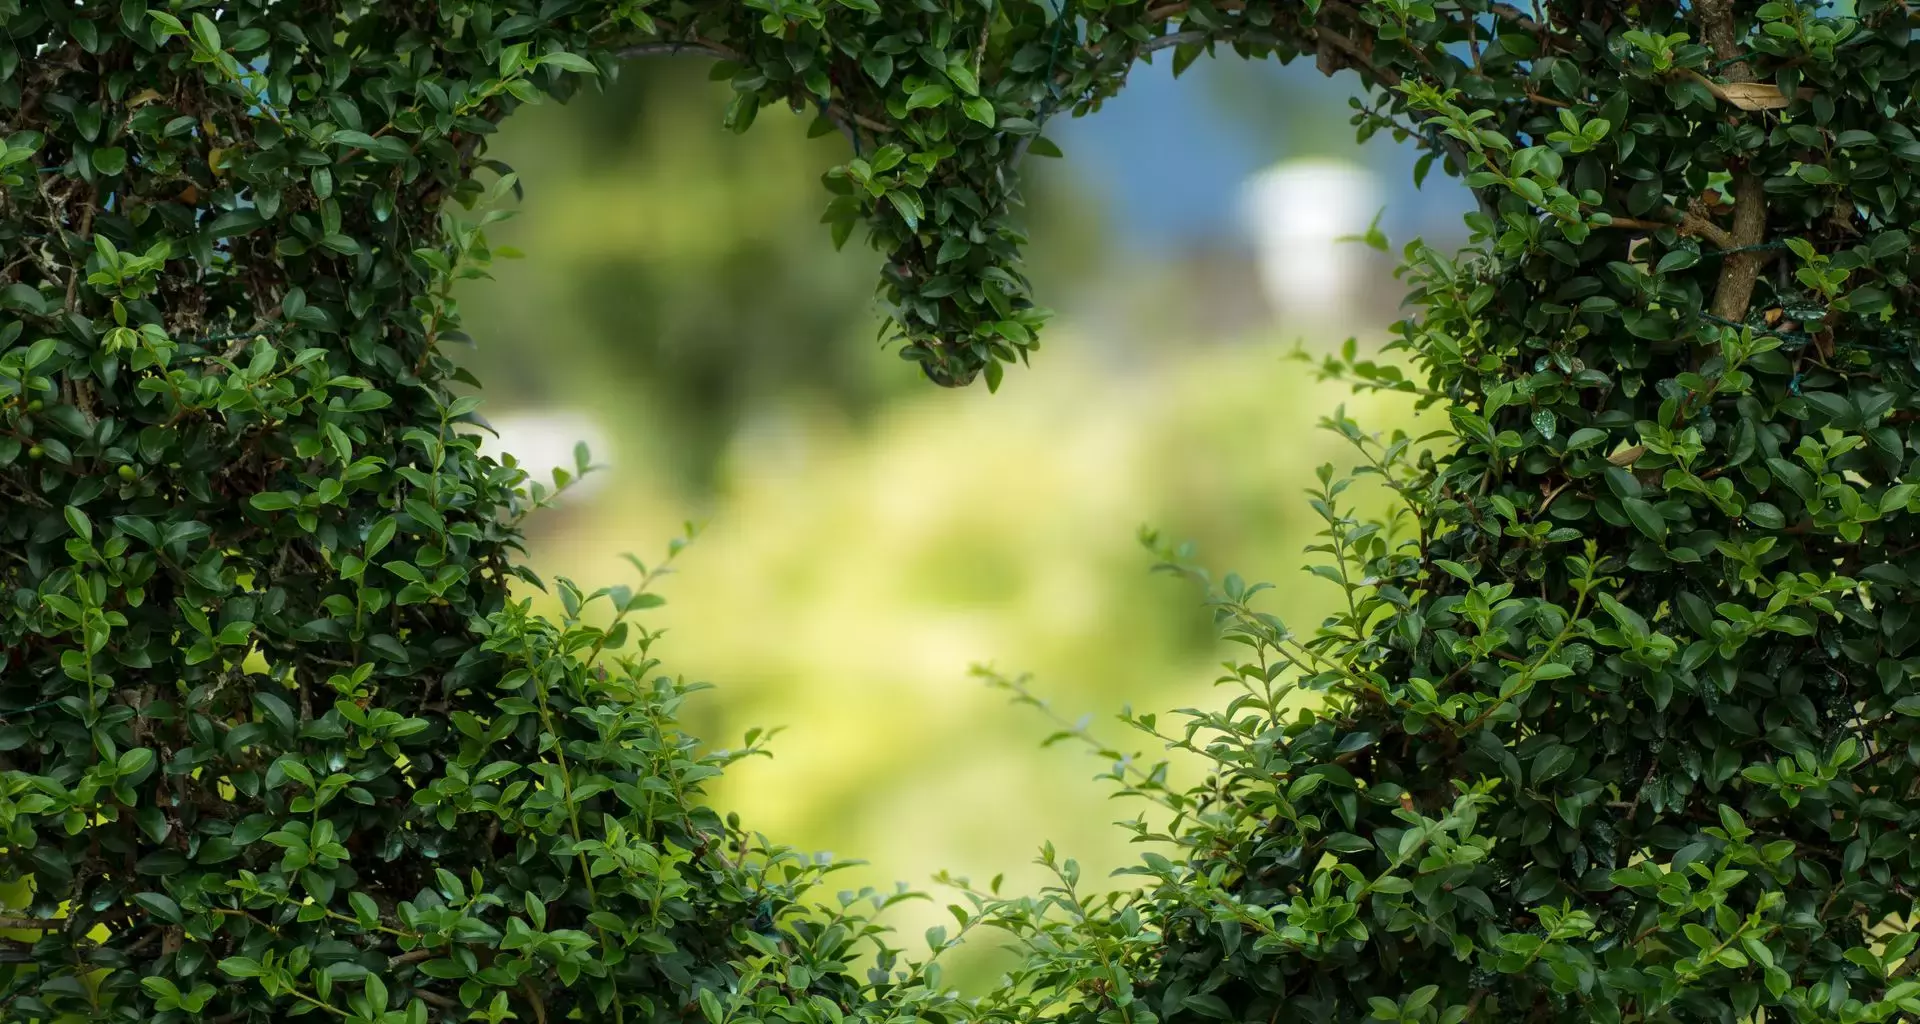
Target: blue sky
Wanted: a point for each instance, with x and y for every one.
(1169, 156)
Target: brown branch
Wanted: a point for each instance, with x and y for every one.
(1172, 39)
(1389, 78)
(1716, 24)
(1352, 51)
(86, 235)
(1742, 269)
(1689, 224)
(411, 956)
(863, 120)
(435, 999)
(534, 1000)
(1695, 224)
(1636, 224)
(673, 48)
(842, 118)
(1734, 292)
(1508, 12)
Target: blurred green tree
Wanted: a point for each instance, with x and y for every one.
(682, 283)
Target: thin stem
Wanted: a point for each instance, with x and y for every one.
(573, 814)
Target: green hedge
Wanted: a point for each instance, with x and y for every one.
(276, 739)
(1620, 722)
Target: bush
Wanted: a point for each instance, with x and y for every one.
(1621, 720)
(1620, 723)
(277, 739)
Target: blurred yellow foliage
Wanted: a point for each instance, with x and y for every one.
(870, 537)
(848, 578)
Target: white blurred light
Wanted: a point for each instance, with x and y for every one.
(543, 441)
(1296, 210)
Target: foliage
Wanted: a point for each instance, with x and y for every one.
(677, 284)
(1619, 723)
(275, 738)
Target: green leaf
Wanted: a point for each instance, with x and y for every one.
(569, 62)
(1585, 437)
(1646, 519)
(1208, 1005)
(205, 32)
(1552, 762)
(1897, 498)
(909, 208)
(169, 25)
(109, 160)
(241, 967)
(1043, 146)
(929, 96)
(78, 522)
(978, 108)
(159, 905)
(379, 536)
(953, 248)
(1765, 515)
(962, 77)
(21, 296)
(133, 762)
(442, 968)
(1678, 259)
(710, 1007)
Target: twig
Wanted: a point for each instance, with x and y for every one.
(533, 999)
(986, 33)
(411, 956)
(699, 48)
(841, 117)
(1508, 12)
(864, 121)
(86, 234)
(1692, 224)
(1389, 78)
(1173, 39)
(1165, 11)
(435, 999)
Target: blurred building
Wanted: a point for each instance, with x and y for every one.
(1304, 216)
(543, 440)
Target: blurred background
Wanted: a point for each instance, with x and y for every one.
(867, 536)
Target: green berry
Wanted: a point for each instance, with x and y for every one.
(127, 473)
(35, 452)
